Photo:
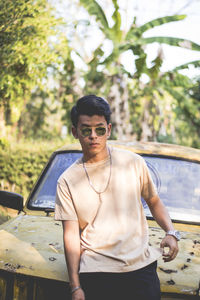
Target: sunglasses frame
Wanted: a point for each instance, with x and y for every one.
(90, 131)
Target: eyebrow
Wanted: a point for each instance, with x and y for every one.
(97, 125)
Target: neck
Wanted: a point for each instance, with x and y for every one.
(91, 184)
(89, 159)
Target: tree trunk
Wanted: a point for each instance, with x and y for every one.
(151, 120)
(118, 98)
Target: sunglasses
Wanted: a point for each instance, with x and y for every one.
(85, 132)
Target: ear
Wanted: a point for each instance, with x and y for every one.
(109, 130)
(74, 132)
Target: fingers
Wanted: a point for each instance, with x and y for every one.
(171, 243)
(170, 255)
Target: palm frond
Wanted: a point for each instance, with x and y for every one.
(95, 9)
(160, 21)
(172, 41)
(136, 32)
(195, 63)
(117, 19)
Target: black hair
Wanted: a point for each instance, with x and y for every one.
(90, 105)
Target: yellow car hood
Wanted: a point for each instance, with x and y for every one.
(182, 275)
(33, 245)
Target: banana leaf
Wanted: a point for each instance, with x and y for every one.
(172, 41)
(95, 9)
(136, 32)
(195, 63)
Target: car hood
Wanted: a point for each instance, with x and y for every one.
(33, 245)
(182, 275)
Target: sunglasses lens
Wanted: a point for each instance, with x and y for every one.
(100, 131)
(86, 132)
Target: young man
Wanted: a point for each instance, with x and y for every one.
(104, 227)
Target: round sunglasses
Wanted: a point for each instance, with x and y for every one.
(87, 131)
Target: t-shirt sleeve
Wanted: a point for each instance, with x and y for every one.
(64, 207)
(148, 189)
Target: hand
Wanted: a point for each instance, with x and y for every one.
(78, 295)
(170, 242)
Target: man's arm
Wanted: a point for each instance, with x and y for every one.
(160, 214)
(71, 239)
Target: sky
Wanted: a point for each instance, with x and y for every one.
(144, 10)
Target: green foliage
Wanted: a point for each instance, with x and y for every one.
(22, 164)
(187, 111)
(25, 51)
(95, 9)
(67, 79)
(133, 39)
(195, 63)
(183, 43)
(4, 143)
(166, 108)
(144, 105)
(40, 118)
(135, 32)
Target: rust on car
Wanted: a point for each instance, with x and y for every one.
(182, 275)
(37, 258)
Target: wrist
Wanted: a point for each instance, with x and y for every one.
(174, 233)
(74, 289)
(74, 281)
(74, 284)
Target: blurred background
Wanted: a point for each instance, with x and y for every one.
(142, 56)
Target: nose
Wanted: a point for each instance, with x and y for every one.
(93, 134)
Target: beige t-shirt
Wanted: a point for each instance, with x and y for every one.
(114, 230)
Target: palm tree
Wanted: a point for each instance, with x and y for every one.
(113, 75)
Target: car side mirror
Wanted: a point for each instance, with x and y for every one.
(11, 200)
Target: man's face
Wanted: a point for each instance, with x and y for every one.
(92, 133)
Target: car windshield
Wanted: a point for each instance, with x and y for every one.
(177, 182)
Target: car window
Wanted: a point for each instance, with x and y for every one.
(178, 185)
(177, 182)
(44, 195)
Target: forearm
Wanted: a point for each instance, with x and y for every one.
(161, 216)
(72, 251)
(160, 213)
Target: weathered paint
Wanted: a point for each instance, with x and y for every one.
(182, 275)
(33, 246)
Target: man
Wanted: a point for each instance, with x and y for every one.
(104, 227)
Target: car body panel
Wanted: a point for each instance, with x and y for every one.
(27, 251)
(178, 276)
(151, 148)
(33, 243)
(41, 255)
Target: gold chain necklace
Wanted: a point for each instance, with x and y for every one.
(90, 182)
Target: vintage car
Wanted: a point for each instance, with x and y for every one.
(32, 264)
